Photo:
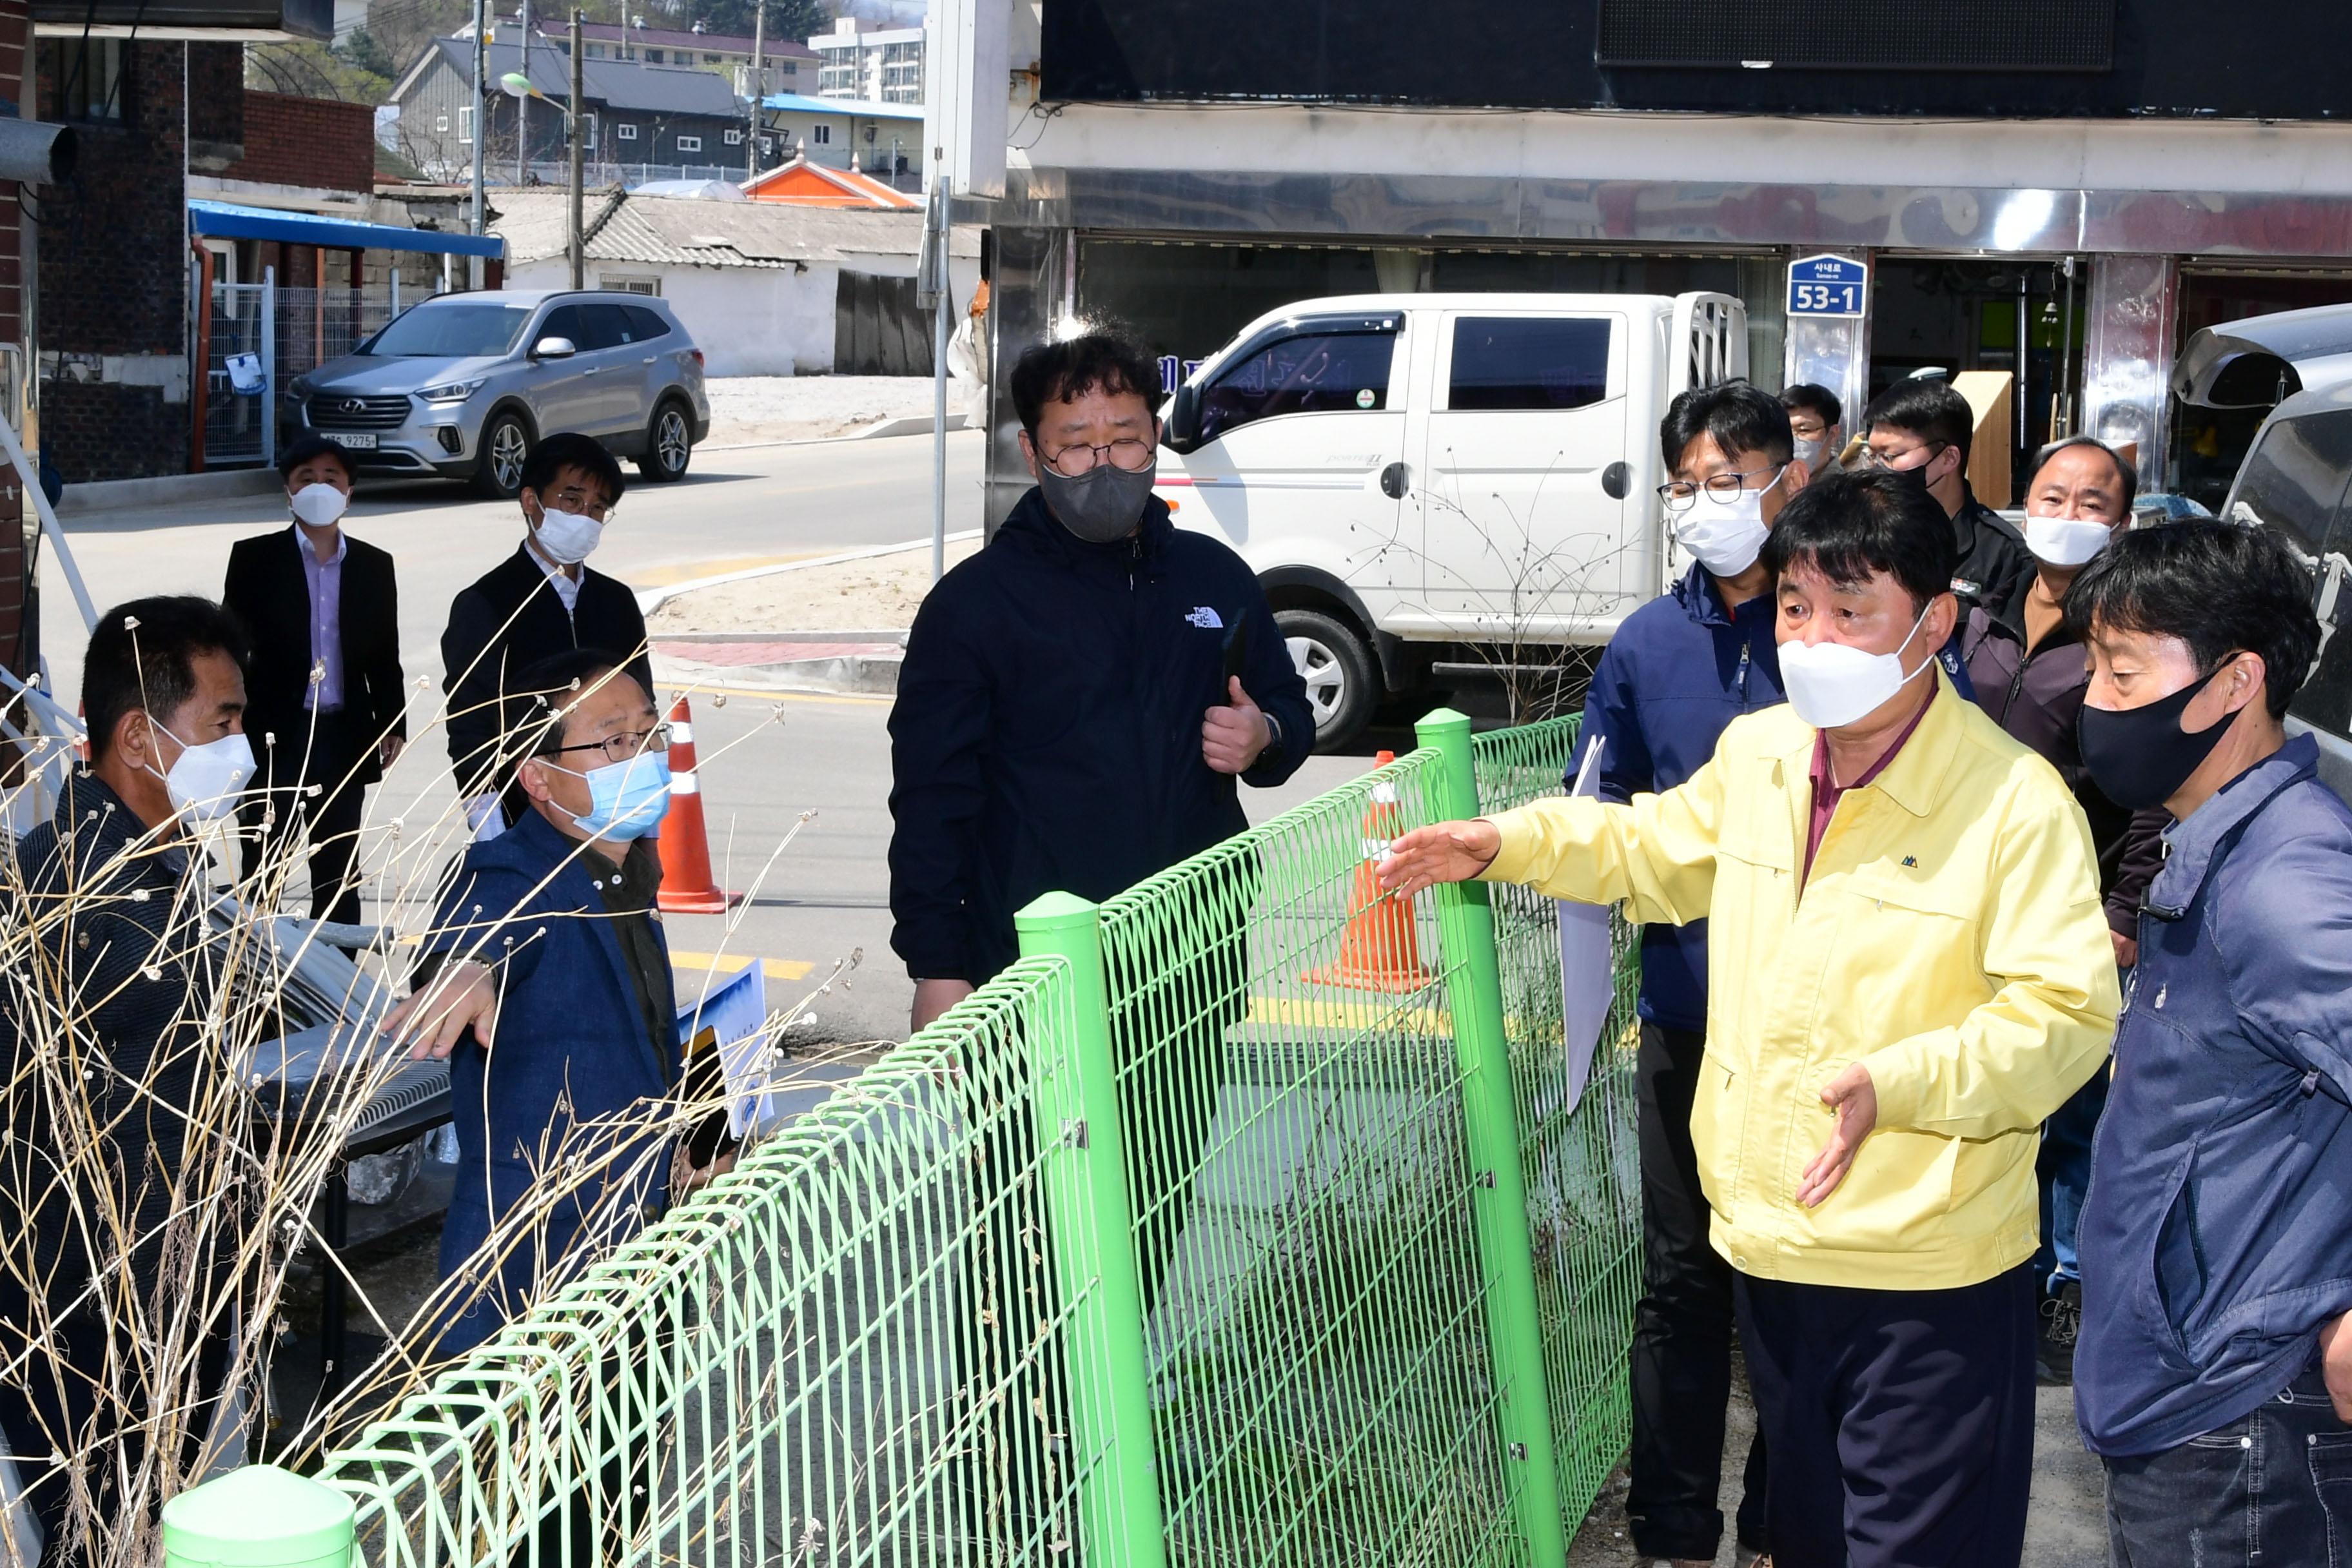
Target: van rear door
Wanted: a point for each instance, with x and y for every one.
(1528, 423)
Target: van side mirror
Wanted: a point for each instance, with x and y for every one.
(553, 348)
(1181, 431)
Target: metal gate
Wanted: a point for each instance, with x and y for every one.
(258, 338)
(877, 328)
(239, 386)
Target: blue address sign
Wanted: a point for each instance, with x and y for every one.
(1827, 286)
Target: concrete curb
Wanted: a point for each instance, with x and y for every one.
(859, 674)
(166, 489)
(652, 599)
(908, 425)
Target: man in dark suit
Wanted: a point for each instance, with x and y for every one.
(327, 705)
(546, 983)
(540, 601)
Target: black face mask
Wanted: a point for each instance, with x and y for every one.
(2140, 757)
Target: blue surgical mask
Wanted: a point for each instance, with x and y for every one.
(626, 800)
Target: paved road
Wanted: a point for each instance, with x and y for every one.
(739, 507)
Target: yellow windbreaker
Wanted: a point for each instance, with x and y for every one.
(1950, 939)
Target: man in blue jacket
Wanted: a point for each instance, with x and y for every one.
(2214, 1371)
(1681, 668)
(546, 981)
(1077, 704)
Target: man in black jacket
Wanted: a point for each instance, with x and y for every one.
(1065, 721)
(1925, 428)
(324, 686)
(126, 1144)
(540, 601)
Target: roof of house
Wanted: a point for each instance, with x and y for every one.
(665, 38)
(616, 84)
(679, 231)
(802, 184)
(856, 108)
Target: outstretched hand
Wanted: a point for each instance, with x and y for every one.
(1231, 737)
(1856, 1100)
(437, 1015)
(1449, 852)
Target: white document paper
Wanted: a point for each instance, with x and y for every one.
(1586, 986)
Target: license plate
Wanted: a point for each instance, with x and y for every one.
(351, 438)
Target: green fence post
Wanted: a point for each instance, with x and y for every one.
(259, 1517)
(1514, 1334)
(1082, 1147)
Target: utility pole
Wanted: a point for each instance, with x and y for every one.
(482, 129)
(522, 107)
(758, 90)
(577, 247)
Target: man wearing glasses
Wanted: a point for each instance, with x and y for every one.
(1922, 429)
(1680, 669)
(1076, 705)
(540, 601)
(545, 980)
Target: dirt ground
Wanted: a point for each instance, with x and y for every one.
(752, 408)
(880, 594)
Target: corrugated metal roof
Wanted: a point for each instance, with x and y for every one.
(617, 84)
(856, 108)
(683, 232)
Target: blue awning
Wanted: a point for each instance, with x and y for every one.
(222, 220)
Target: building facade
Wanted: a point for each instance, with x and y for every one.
(2064, 203)
(883, 66)
(637, 115)
(884, 140)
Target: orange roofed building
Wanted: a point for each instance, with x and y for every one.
(801, 183)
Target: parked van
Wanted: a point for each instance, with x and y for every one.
(2296, 479)
(1438, 485)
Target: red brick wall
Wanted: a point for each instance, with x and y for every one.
(313, 141)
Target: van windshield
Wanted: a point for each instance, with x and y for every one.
(452, 332)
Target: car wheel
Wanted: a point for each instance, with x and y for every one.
(1343, 683)
(506, 442)
(669, 445)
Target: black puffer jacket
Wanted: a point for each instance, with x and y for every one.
(1047, 731)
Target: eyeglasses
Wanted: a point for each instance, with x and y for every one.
(581, 503)
(1680, 495)
(1871, 457)
(624, 746)
(1127, 455)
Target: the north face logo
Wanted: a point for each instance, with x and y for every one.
(1207, 619)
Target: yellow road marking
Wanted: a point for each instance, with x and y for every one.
(688, 571)
(736, 962)
(1357, 1017)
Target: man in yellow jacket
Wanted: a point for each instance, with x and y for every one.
(1911, 970)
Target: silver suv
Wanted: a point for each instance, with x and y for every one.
(462, 384)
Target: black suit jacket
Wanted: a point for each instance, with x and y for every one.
(508, 620)
(267, 591)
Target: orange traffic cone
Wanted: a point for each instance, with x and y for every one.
(687, 887)
(1379, 951)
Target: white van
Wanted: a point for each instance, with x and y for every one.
(1438, 484)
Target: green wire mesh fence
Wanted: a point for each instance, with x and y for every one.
(829, 1356)
(1249, 1220)
(1580, 1155)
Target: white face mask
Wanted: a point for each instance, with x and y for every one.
(568, 537)
(1831, 684)
(318, 504)
(1809, 451)
(206, 780)
(1725, 536)
(2066, 541)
